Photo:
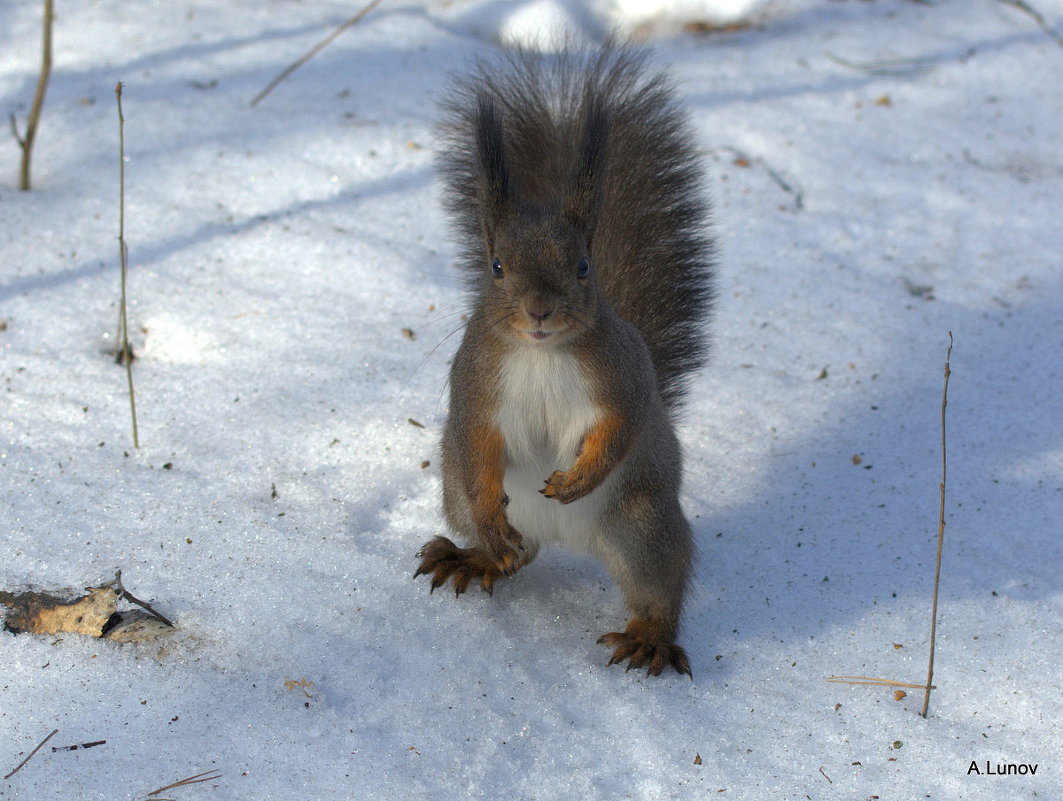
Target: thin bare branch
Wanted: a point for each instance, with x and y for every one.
(26, 142)
(313, 51)
(894, 66)
(123, 256)
(941, 534)
(15, 133)
(77, 746)
(874, 682)
(210, 775)
(124, 593)
(40, 745)
(1038, 17)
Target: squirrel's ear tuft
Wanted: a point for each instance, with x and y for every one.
(583, 199)
(494, 191)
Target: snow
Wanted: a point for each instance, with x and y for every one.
(883, 173)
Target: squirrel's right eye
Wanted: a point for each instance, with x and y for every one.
(496, 268)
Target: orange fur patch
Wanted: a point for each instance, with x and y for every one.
(487, 492)
(603, 448)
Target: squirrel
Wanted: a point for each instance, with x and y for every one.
(574, 185)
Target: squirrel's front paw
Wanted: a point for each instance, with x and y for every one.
(565, 487)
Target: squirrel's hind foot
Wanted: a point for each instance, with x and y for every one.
(646, 644)
(443, 560)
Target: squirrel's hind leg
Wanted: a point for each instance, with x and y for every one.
(648, 549)
(444, 560)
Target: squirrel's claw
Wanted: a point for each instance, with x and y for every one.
(643, 646)
(563, 487)
(444, 560)
(507, 562)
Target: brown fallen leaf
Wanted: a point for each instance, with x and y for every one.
(44, 613)
(93, 613)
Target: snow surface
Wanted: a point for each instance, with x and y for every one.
(883, 172)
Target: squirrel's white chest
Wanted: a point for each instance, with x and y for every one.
(545, 409)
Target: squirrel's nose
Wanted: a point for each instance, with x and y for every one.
(539, 307)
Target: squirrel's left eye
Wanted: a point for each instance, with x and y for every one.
(496, 268)
(584, 269)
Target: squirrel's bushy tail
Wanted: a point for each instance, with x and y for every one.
(651, 246)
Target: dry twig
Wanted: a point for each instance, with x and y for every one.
(26, 142)
(210, 775)
(34, 751)
(313, 51)
(941, 533)
(1038, 17)
(123, 255)
(874, 682)
(786, 185)
(928, 686)
(892, 66)
(78, 746)
(124, 593)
